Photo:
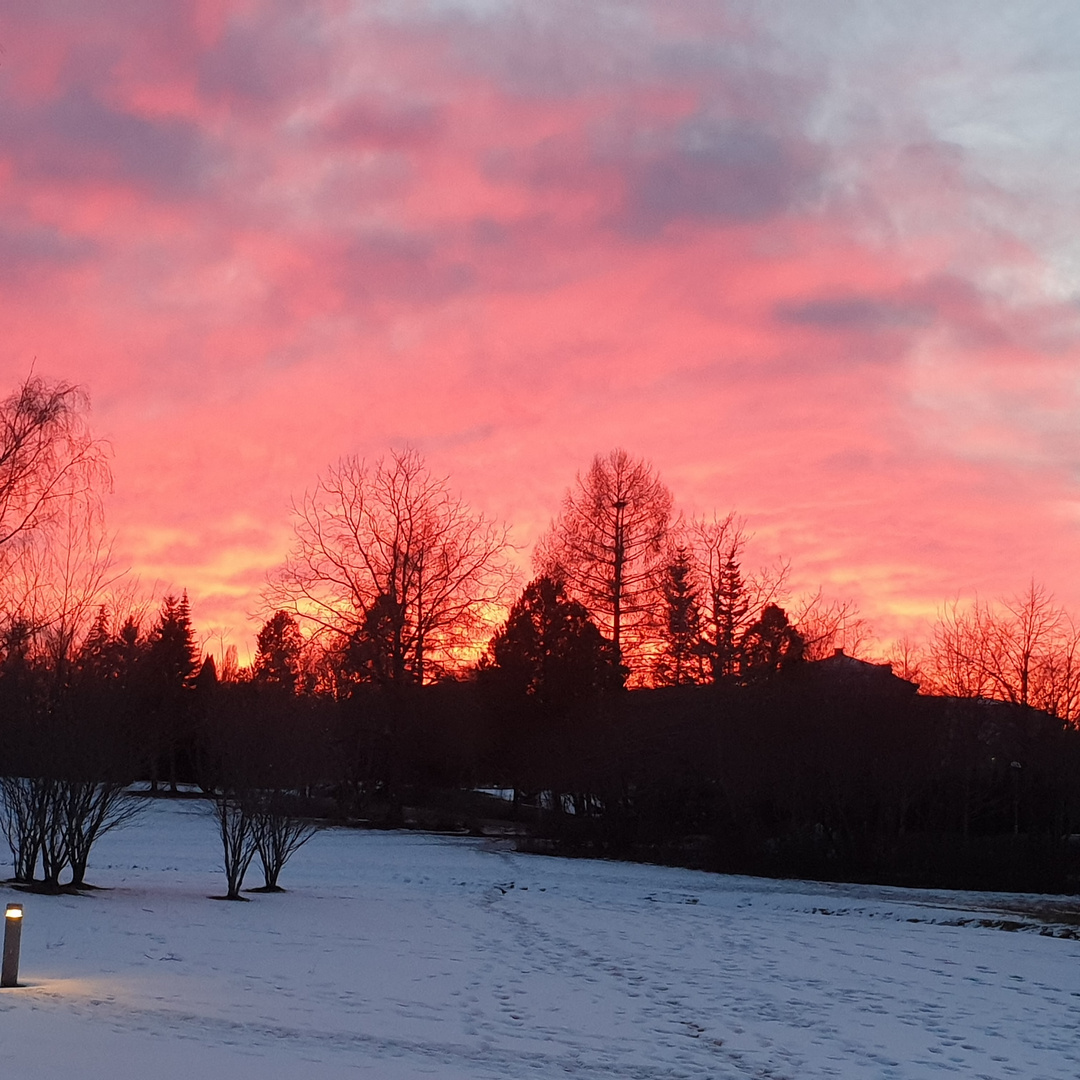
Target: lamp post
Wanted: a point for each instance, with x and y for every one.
(13, 917)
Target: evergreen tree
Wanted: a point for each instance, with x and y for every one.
(278, 652)
(374, 653)
(547, 670)
(730, 606)
(770, 646)
(680, 660)
(172, 655)
(168, 678)
(551, 651)
(95, 660)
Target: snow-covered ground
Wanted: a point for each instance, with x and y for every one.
(397, 955)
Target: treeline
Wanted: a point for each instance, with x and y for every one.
(835, 768)
(644, 696)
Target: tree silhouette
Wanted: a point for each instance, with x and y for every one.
(769, 646)
(546, 672)
(608, 546)
(681, 657)
(827, 625)
(168, 673)
(49, 461)
(278, 649)
(551, 651)
(390, 555)
(374, 653)
(730, 597)
(730, 608)
(1025, 649)
(69, 753)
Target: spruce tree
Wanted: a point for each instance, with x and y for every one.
(680, 659)
(170, 666)
(730, 605)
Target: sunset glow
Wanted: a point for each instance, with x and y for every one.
(817, 262)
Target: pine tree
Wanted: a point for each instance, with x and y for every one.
(172, 654)
(375, 653)
(278, 650)
(95, 660)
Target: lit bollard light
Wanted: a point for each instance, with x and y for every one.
(12, 939)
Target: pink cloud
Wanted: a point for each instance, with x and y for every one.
(267, 235)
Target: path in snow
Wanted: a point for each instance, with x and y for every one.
(398, 955)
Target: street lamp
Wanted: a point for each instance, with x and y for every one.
(13, 917)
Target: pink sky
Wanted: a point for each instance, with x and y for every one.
(818, 265)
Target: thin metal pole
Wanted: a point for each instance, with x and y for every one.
(13, 918)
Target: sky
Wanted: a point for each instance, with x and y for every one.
(817, 262)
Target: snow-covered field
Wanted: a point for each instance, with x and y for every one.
(397, 955)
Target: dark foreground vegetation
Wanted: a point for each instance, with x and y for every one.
(644, 697)
(832, 769)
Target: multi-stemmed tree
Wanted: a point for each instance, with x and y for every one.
(67, 750)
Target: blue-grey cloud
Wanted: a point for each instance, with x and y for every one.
(263, 62)
(76, 137)
(714, 175)
(26, 250)
(860, 313)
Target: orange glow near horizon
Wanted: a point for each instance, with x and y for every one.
(779, 261)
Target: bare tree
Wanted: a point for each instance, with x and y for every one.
(49, 461)
(53, 583)
(608, 546)
(24, 809)
(909, 660)
(54, 566)
(236, 829)
(69, 752)
(280, 830)
(392, 545)
(1024, 649)
(827, 625)
(55, 556)
(92, 808)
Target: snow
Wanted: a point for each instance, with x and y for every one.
(404, 955)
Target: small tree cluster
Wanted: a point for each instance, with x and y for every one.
(261, 750)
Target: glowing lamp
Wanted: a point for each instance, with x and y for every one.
(13, 918)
